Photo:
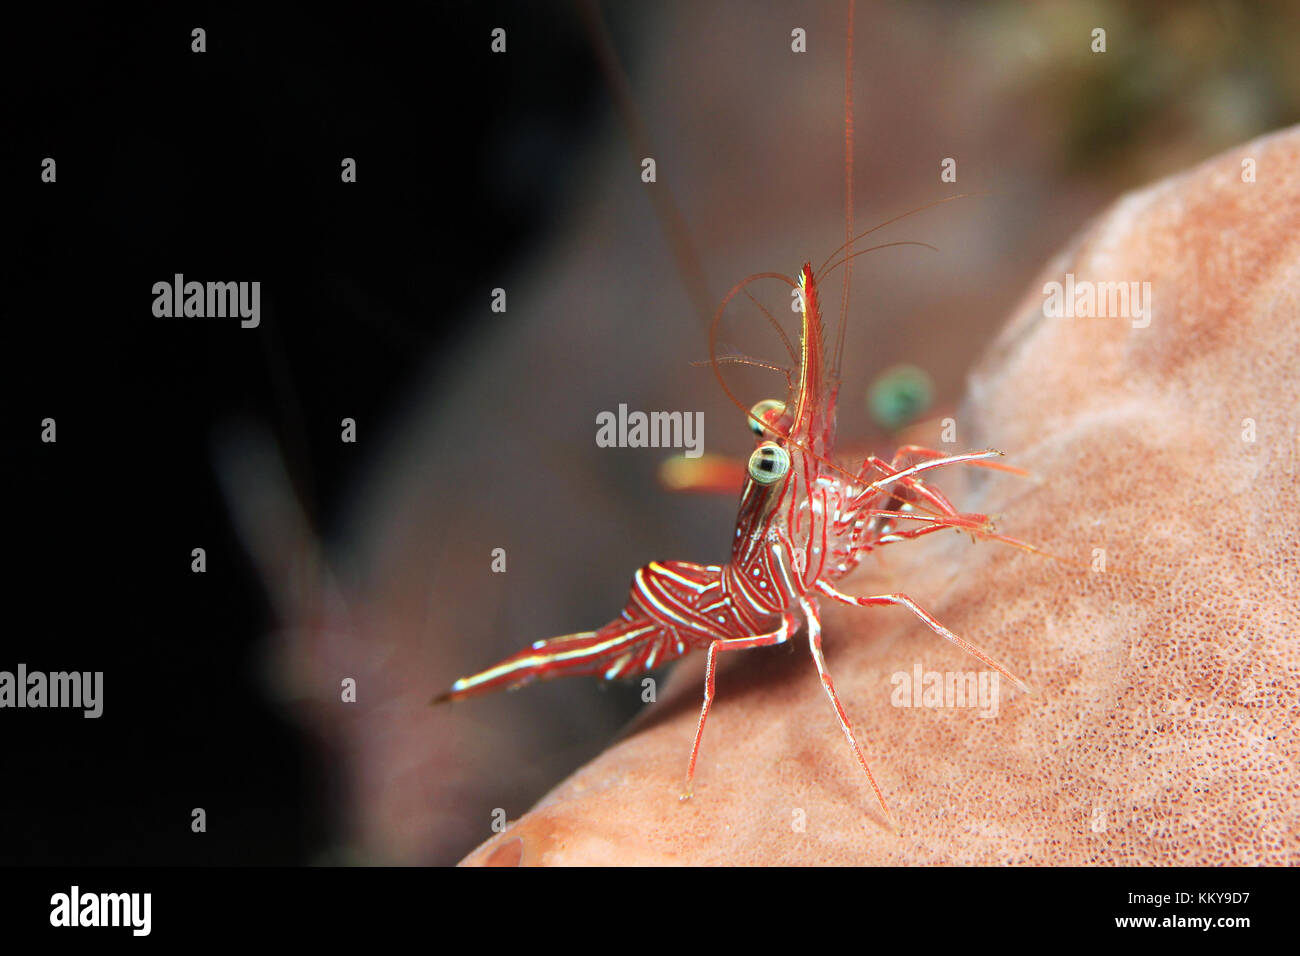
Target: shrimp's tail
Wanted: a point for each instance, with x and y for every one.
(643, 637)
(618, 649)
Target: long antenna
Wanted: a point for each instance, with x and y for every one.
(661, 197)
(848, 196)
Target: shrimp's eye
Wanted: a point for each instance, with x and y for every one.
(760, 412)
(769, 463)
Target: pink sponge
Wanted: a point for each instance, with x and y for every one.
(1163, 435)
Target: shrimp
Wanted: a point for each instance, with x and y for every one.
(803, 524)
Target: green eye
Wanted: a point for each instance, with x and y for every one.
(759, 411)
(769, 463)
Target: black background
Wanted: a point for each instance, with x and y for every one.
(225, 166)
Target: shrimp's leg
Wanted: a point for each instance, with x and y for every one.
(905, 451)
(815, 645)
(779, 636)
(909, 453)
(914, 485)
(903, 600)
(904, 477)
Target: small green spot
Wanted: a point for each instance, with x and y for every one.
(899, 395)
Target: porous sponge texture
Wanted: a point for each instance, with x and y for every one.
(1165, 454)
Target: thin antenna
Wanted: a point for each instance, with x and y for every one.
(670, 218)
(848, 197)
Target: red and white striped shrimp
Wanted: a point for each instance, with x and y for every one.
(803, 524)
